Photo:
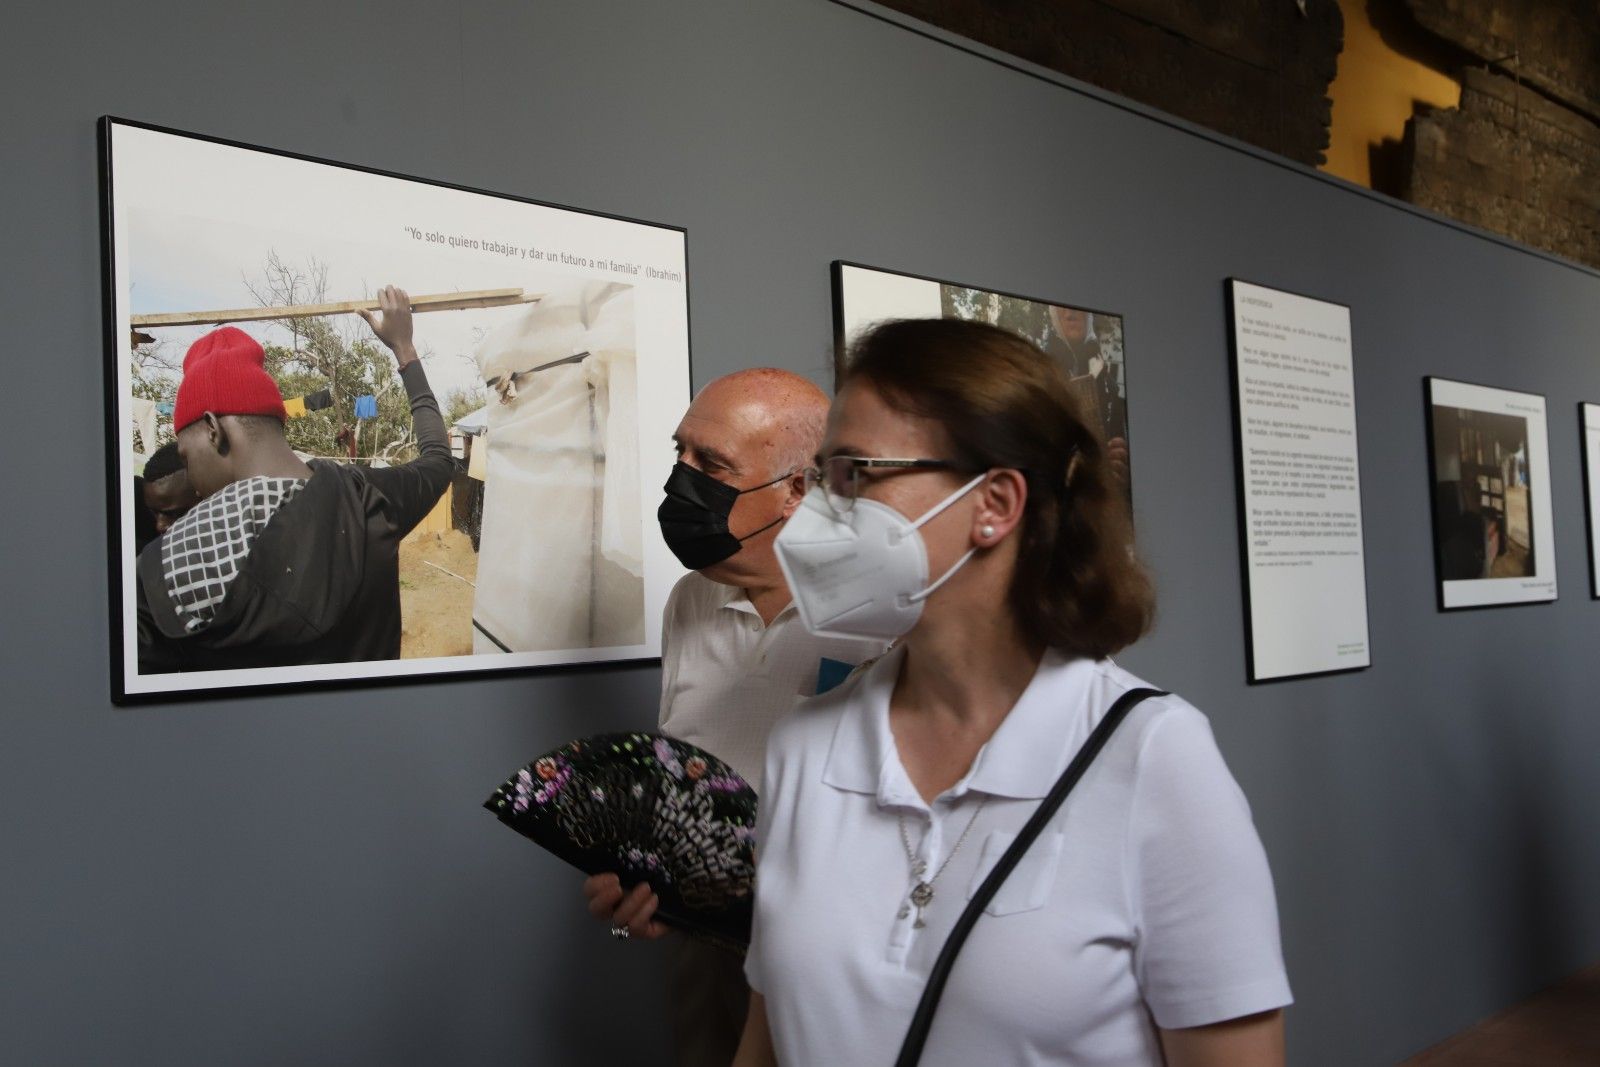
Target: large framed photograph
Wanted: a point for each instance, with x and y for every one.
(1087, 343)
(1489, 462)
(1299, 478)
(1589, 417)
(290, 506)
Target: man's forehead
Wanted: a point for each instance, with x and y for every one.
(169, 483)
(724, 417)
(737, 438)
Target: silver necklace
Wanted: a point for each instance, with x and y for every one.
(922, 892)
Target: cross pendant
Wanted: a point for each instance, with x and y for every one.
(921, 896)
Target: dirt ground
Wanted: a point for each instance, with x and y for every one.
(436, 609)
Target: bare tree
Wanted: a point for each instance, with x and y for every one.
(337, 353)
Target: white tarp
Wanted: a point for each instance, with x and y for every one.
(560, 563)
(473, 424)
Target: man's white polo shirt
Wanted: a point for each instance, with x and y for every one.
(726, 678)
(1146, 902)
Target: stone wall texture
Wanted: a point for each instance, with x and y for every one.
(1257, 70)
(1556, 42)
(1521, 155)
(1512, 161)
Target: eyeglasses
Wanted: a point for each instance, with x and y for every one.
(840, 476)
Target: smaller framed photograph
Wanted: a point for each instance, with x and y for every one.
(1589, 415)
(1489, 475)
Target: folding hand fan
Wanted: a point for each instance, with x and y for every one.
(649, 809)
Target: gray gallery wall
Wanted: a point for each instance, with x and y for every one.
(308, 879)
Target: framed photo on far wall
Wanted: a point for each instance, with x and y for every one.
(1589, 416)
(1088, 344)
(333, 518)
(1489, 471)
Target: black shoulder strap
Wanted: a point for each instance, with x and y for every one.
(917, 1034)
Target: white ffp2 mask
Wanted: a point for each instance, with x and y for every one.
(864, 575)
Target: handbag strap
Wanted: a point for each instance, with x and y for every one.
(922, 1020)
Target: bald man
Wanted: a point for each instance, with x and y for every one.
(734, 653)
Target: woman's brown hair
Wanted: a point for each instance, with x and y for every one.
(1001, 402)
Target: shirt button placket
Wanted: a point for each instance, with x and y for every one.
(758, 654)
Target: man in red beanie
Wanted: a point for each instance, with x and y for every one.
(282, 563)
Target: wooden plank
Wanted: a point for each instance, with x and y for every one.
(474, 298)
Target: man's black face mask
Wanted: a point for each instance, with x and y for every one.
(694, 516)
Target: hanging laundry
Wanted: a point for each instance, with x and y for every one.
(318, 400)
(144, 421)
(295, 407)
(366, 407)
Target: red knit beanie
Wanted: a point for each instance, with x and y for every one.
(224, 374)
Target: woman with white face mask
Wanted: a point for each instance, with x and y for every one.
(961, 506)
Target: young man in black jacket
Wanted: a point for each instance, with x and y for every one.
(282, 563)
(165, 495)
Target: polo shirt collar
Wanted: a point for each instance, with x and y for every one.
(734, 598)
(1022, 760)
(1033, 744)
(863, 750)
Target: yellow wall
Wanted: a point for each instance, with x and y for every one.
(1377, 89)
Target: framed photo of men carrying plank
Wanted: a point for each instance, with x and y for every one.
(364, 426)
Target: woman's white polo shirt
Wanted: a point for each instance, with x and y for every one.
(1146, 902)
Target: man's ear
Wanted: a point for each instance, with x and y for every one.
(794, 491)
(216, 433)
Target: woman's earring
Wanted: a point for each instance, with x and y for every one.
(986, 531)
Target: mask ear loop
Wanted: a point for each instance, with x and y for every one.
(775, 521)
(948, 501)
(763, 530)
(790, 473)
(915, 598)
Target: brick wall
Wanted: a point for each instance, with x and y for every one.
(1512, 161)
(1521, 154)
(1257, 70)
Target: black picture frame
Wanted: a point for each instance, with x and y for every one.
(1589, 424)
(841, 342)
(115, 341)
(1253, 673)
(1437, 527)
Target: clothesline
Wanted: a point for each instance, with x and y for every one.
(296, 407)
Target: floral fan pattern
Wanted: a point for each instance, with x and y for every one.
(649, 809)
